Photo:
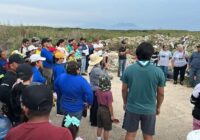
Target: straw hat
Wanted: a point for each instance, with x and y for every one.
(95, 59)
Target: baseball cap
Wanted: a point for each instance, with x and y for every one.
(37, 97)
(24, 72)
(59, 55)
(31, 48)
(16, 58)
(36, 57)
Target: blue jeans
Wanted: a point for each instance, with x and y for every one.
(194, 72)
(122, 65)
(83, 64)
(165, 70)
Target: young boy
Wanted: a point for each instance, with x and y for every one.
(195, 99)
(105, 110)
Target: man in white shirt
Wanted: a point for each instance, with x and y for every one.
(24, 47)
(164, 56)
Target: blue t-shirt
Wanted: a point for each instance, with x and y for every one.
(48, 63)
(37, 76)
(143, 81)
(58, 69)
(74, 90)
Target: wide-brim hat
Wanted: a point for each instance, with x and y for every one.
(95, 59)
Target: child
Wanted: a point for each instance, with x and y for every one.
(195, 99)
(72, 123)
(3, 62)
(105, 110)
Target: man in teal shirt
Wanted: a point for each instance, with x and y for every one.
(143, 94)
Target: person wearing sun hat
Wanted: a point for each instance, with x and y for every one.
(95, 72)
(36, 63)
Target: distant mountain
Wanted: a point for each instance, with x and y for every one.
(125, 26)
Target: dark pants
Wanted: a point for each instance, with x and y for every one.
(181, 71)
(93, 112)
(194, 73)
(87, 62)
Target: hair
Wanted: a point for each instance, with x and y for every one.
(24, 40)
(82, 39)
(33, 113)
(59, 42)
(33, 64)
(70, 40)
(144, 51)
(72, 68)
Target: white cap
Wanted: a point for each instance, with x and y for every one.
(31, 48)
(36, 57)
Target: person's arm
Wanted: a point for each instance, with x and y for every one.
(190, 60)
(110, 107)
(195, 94)
(88, 94)
(124, 94)
(160, 98)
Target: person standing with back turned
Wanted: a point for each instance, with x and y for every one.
(143, 94)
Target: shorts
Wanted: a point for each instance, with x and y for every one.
(132, 120)
(104, 118)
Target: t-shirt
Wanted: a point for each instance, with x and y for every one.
(37, 76)
(179, 59)
(122, 49)
(164, 57)
(195, 60)
(143, 81)
(99, 47)
(39, 131)
(104, 97)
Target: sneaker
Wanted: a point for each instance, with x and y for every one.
(181, 83)
(175, 82)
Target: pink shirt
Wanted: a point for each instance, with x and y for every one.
(104, 97)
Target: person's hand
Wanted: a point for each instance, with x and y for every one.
(157, 111)
(114, 120)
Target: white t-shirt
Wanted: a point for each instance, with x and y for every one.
(164, 57)
(86, 52)
(179, 59)
(100, 46)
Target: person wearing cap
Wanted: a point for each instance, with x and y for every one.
(58, 69)
(48, 62)
(24, 46)
(95, 72)
(73, 90)
(105, 114)
(8, 81)
(24, 75)
(10, 77)
(37, 102)
(30, 50)
(179, 63)
(194, 64)
(36, 63)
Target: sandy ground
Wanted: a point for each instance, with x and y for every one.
(174, 122)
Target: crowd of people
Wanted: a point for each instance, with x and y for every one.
(39, 75)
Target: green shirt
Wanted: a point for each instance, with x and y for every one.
(143, 82)
(69, 48)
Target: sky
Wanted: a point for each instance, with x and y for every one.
(145, 14)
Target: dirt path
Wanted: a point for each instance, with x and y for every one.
(174, 122)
